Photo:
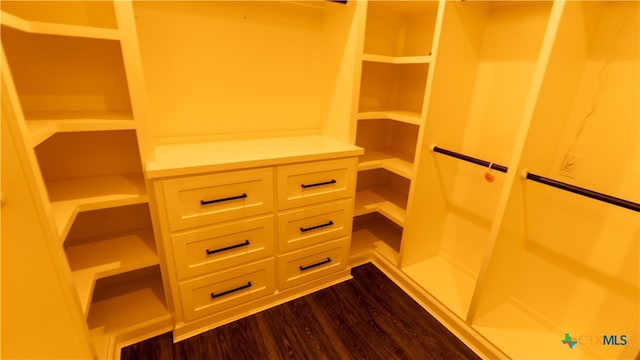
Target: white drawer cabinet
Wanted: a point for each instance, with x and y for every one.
(311, 225)
(213, 248)
(201, 200)
(240, 237)
(310, 183)
(223, 290)
(311, 263)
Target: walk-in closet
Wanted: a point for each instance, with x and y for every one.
(175, 166)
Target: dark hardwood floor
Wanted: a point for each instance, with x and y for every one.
(368, 317)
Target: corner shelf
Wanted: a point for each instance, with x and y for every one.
(388, 144)
(409, 117)
(396, 87)
(375, 233)
(418, 59)
(82, 77)
(107, 256)
(68, 197)
(47, 28)
(42, 126)
(383, 192)
(388, 159)
(127, 306)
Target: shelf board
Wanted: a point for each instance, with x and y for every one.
(125, 307)
(422, 59)
(447, 282)
(375, 235)
(68, 197)
(45, 28)
(109, 255)
(381, 199)
(409, 117)
(387, 159)
(42, 125)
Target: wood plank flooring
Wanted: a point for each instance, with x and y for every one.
(368, 317)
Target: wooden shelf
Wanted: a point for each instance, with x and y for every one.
(43, 125)
(387, 159)
(109, 255)
(46, 28)
(400, 28)
(82, 75)
(452, 285)
(410, 117)
(399, 87)
(68, 197)
(383, 200)
(124, 305)
(371, 233)
(419, 59)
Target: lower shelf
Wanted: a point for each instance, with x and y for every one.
(446, 281)
(373, 232)
(124, 303)
(107, 256)
(383, 200)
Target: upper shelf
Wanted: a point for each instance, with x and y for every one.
(89, 19)
(81, 84)
(417, 59)
(46, 28)
(43, 126)
(400, 28)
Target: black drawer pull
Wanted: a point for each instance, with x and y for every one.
(332, 181)
(248, 285)
(303, 268)
(316, 227)
(245, 243)
(207, 202)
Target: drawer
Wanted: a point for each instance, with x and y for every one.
(315, 224)
(224, 290)
(298, 267)
(315, 182)
(214, 248)
(201, 200)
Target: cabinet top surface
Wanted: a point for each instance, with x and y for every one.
(195, 158)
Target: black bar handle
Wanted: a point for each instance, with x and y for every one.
(247, 285)
(211, 252)
(316, 227)
(470, 159)
(332, 181)
(207, 202)
(585, 192)
(303, 268)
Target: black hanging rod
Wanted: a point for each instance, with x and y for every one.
(585, 192)
(544, 180)
(470, 159)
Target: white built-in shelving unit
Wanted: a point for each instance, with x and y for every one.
(68, 74)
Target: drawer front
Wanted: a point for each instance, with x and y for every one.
(224, 290)
(311, 183)
(312, 225)
(214, 248)
(201, 200)
(309, 264)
